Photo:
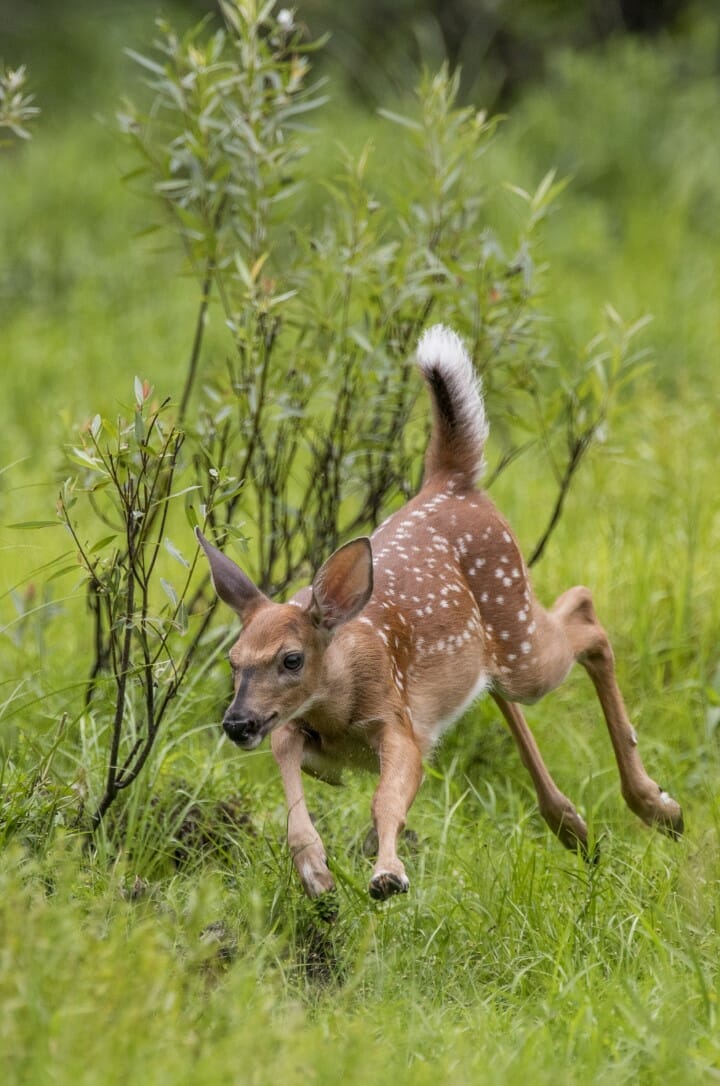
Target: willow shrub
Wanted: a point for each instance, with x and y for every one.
(296, 429)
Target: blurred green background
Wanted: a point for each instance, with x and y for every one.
(620, 97)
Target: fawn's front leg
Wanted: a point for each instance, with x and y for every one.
(304, 842)
(400, 777)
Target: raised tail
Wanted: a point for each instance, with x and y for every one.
(460, 426)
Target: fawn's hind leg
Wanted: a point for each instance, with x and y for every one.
(575, 614)
(556, 808)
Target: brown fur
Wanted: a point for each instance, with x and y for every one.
(399, 634)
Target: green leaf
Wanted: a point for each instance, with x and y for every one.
(278, 299)
(169, 591)
(63, 571)
(33, 524)
(191, 514)
(522, 193)
(398, 118)
(85, 459)
(101, 544)
(145, 62)
(139, 428)
(172, 549)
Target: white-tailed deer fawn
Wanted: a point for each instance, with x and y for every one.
(400, 633)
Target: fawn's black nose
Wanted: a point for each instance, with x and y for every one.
(246, 729)
(242, 729)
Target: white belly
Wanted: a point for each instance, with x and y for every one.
(434, 708)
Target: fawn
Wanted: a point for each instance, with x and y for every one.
(399, 633)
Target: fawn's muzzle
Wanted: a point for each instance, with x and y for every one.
(246, 730)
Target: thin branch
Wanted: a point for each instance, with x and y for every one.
(578, 450)
(122, 674)
(200, 325)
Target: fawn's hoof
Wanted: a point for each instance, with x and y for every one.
(571, 832)
(590, 854)
(576, 842)
(315, 876)
(669, 818)
(385, 883)
(659, 810)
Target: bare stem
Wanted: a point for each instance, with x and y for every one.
(577, 452)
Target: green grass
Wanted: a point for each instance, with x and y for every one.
(182, 950)
(508, 960)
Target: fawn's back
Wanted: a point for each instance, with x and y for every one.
(452, 604)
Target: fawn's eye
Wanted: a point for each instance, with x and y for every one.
(293, 661)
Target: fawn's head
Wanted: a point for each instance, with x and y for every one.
(277, 660)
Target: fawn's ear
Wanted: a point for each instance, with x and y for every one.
(343, 584)
(232, 585)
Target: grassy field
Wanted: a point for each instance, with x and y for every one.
(188, 954)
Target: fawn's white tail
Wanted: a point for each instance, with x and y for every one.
(460, 427)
